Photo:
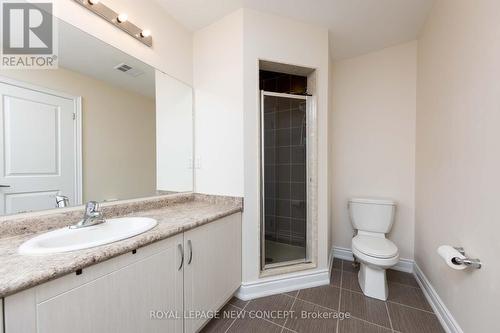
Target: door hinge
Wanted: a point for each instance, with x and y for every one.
(74, 116)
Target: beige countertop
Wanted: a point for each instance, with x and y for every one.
(175, 214)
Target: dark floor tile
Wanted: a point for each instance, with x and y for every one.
(292, 293)
(402, 277)
(327, 296)
(350, 281)
(219, 325)
(335, 278)
(253, 325)
(308, 318)
(238, 302)
(408, 320)
(272, 303)
(407, 295)
(347, 266)
(353, 325)
(337, 264)
(366, 308)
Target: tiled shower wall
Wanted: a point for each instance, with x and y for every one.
(285, 160)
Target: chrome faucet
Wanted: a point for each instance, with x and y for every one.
(92, 216)
(62, 201)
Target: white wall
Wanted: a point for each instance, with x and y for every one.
(278, 39)
(218, 82)
(174, 134)
(226, 80)
(373, 138)
(458, 159)
(172, 43)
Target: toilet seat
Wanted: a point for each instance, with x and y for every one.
(374, 261)
(376, 247)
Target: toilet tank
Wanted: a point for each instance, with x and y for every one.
(374, 215)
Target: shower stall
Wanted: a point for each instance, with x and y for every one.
(285, 174)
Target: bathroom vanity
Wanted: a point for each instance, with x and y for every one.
(105, 128)
(158, 281)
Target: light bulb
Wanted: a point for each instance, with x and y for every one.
(123, 17)
(93, 2)
(145, 33)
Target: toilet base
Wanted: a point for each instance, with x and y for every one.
(373, 282)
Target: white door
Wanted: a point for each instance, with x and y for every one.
(38, 148)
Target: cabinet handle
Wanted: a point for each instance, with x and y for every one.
(190, 252)
(181, 252)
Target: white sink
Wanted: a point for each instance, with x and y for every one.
(66, 239)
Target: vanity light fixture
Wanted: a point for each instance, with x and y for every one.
(119, 20)
(122, 18)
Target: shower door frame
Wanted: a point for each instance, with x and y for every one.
(311, 142)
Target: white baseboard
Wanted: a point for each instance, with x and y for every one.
(283, 283)
(404, 265)
(444, 315)
(330, 261)
(342, 253)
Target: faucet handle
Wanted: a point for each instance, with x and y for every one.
(92, 207)
(91, 216)
(62, 201)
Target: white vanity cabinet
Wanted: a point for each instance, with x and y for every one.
(212, 271)
(114, 296)
(146, 291)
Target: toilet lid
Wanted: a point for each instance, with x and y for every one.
(375, 247)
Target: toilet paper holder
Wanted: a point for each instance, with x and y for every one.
(469, 262)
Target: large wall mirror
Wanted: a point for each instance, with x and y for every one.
(104, 126)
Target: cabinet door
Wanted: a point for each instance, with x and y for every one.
(213, 273)
(125, 300)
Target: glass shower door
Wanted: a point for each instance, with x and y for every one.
(283, 179)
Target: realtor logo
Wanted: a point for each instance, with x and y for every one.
(28, 37)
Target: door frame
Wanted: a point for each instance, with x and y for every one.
(77, 129)
(311, 181)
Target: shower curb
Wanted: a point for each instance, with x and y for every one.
(283, 283)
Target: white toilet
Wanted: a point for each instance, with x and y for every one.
(373, 218)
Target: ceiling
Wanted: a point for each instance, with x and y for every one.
(83, 53)
(355, 26)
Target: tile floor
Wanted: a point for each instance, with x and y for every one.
(405, 311)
